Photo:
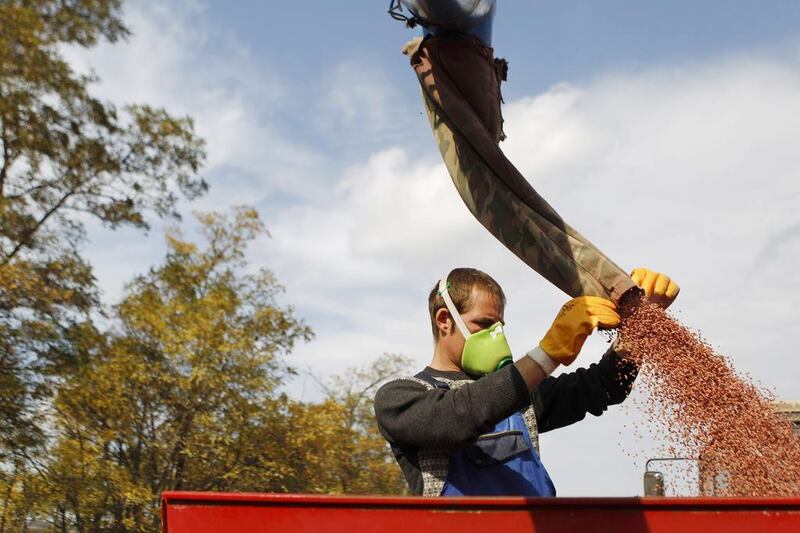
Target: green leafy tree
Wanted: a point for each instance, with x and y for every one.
(183, 392)
(66, 157)
(343, 450)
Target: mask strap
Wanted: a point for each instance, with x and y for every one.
(443, 283)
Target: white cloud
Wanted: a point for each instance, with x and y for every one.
(177, 60)
(357, 109)
(691, 171)
(354, 97)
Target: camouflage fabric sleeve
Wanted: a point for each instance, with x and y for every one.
(460, 82)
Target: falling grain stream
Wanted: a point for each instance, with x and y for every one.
(709, 411)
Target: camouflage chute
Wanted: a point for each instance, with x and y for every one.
(460, 82)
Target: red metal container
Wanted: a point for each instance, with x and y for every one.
(198, 512)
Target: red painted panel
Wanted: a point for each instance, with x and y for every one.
(186, 512)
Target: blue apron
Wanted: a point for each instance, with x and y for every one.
(501, 463)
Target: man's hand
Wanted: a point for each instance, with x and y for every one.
(576, 321)
(658, 288)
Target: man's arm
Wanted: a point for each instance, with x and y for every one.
(410, 414)
(564, 400)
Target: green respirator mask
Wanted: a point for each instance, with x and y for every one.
(486, 350)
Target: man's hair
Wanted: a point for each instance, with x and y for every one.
(461, 281)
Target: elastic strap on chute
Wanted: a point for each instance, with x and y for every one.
(412, 20)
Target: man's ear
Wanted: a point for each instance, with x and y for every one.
(444, 323)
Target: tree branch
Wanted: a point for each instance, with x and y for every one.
(29, 190)
(26, 239)
(6, 162)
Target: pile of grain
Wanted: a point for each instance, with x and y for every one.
(710, 411)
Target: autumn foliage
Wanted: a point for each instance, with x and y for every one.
(181, 384)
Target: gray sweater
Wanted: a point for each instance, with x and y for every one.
(412, 417)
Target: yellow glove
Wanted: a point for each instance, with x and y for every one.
(657, 287)
(576, 321)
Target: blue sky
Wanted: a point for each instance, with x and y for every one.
(664, 131)
(547, 42)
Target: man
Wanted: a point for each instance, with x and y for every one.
(457, 433)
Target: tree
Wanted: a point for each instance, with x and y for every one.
(177, 386)
(343, 451)
(65, 157)
(182, 391)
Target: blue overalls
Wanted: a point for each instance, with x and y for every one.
(501, 463)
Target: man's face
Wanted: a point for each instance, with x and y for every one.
(486, 310)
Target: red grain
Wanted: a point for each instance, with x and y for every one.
(710, 412)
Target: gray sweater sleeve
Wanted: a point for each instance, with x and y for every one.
(409, 414)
